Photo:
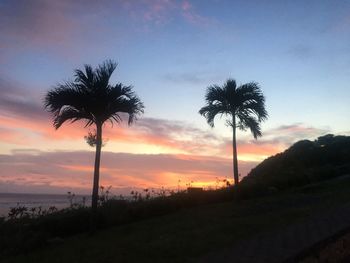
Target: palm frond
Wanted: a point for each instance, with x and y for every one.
(247, 121)
(85, 79)
(104, 72)
(91, 97)
(214, 94)
(123, 100)
(66, 94)
(211, 111)
(72, 115)
(246, 103)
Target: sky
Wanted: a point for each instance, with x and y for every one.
(170, 51)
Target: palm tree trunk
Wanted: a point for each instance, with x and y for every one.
(95, 187)
(234, 149)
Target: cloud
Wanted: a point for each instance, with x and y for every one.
(36, 23)
(12, 136)
(67, 27)
(176, 134)
(193, 17)
(162, 12)
(273, 141)
(73, 170)
(15, 101)
(157, 11)
(74, 28)
(23, 120)
(23, 116)
(288, 134)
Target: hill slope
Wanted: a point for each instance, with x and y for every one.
(303, 163)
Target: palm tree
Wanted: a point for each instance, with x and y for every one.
(244, 105)
(91, 98)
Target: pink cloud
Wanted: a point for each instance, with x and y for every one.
(73, 28)
(60, 26)
(36, 22)
(192, 16)
(288, 134)
(11, 136)
(160, 12)
(186, 6)
(24, 121)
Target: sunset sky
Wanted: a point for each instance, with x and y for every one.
(170, 52)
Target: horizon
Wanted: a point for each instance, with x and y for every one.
(170, 52)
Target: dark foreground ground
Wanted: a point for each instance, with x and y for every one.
(268, 229)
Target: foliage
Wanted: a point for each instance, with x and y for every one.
(245, 102)
(188, 234)
(303, 163)
(91, 139)
(20, 212)
(90, 97)
(23, 232)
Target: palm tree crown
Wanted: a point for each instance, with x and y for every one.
(90, 97)
(244, 105)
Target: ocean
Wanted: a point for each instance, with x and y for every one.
(8, 200)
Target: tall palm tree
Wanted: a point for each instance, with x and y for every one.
(91, 98)
(244, 105)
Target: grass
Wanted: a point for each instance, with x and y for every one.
(186, 235)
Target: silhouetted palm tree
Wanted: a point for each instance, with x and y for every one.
(90, 97)
(245, 105)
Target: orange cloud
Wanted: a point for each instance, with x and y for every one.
(63, 171)
(24, 121)
(254, 150)
(171, 136)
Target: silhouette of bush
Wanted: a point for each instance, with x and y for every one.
(303, 163)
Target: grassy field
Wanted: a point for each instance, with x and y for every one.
(187, 235)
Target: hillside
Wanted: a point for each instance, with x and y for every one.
(303, 163)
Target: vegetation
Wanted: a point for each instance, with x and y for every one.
(182, 236)
(243, 105)
(303, 163)
(90, 97)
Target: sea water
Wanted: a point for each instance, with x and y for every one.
(9, 200)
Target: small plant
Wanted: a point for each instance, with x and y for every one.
(22, 212)
(104, 195)
(136, 196)
(178, 185)
(18, 212)
(189, 184)
(147, 194)
(71, 197)
(73, 203)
